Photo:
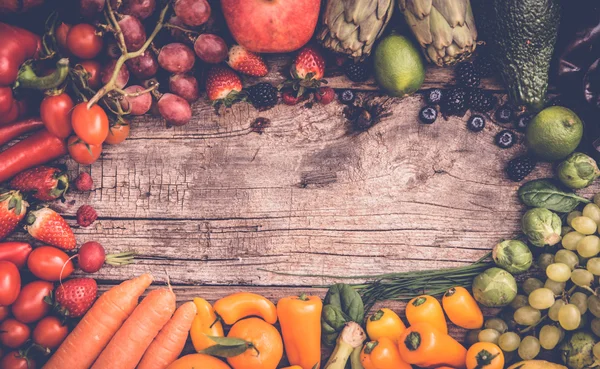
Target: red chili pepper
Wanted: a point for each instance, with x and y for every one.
(16, 129)
(15, 252)
(17, 47)
(35, 150)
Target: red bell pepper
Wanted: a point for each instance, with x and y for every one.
(17, 48)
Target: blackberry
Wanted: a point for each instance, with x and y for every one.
(347, 97)
(505, 139)
(263, 95)
(484, 66)
(522, 121)
(428, 115)
(455, 102)
(476, 123)
(466, 75)
(434, 96)
(480, 100)
(505, 114)
(357, 72)
(519, 168)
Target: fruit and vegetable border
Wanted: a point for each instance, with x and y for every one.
(72, 83)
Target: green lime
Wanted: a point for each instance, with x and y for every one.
(554, 133)
(399, 67)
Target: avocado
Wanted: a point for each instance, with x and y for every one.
(521, 35)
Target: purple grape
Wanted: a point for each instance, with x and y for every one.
(192, 12)
(184, 85)
(211, 48)
(176, 58)
(144, 66)
(133, 32)
(139, 105)
(176, 110)
(122, 77)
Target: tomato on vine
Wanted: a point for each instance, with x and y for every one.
(93, 68)
(117, 133)
(55, 112)
(83, 41)
(82, 152)
(90, 125)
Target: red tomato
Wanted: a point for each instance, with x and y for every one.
(13, 333)
(61, 35)
(93, 68)
(48, 262)
(117, 133)
(50, 332)
(83, 42)
(4, 312)
(83, 153)
(91, 125)
(14, 360)
(30, 305)
(10, 282)
(55, 112)
(15, 252)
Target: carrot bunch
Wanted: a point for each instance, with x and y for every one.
(119, 330)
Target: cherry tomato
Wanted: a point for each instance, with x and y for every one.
(4, 312)
(93, 68)
(55, 112)
(83, 153)
(83, 42)
(117, 133)
(91, 125)
(30, 305)
(48, 262)
(14, 360)
(10, 282)
(15, 252)
(13, 333)
(50, 332)
(61, 35)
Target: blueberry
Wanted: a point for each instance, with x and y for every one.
(522, 121)
(505, 114)
(476, 123)
(434, 96)
(347, 97)
(506, 139)
(428, 115)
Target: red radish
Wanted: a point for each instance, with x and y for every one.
(92, 257)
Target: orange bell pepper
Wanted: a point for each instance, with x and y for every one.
(424, 345)
(462, 309)
(382, 354)
(244, 304)
(485, 355)
(426, 309)
(205, 324)
(385, 323)
(300, 321)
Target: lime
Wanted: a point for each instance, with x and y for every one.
(554, 133)
(398, 66)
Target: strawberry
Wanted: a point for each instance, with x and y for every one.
(290, 98)
(309, 64)
(246, 62)
(45, 183)
(12, 211)
(223, 86)
(76, 296)
(325, 95)
(49, 227)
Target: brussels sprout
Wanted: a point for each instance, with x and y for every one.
(542, 227)
(577, 351)
(494, 288)
(512, 255)
(578, 171)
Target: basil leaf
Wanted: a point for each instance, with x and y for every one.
(543, 193)
(348, 300)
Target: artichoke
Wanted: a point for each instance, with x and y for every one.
(351, 27)
(445, 29)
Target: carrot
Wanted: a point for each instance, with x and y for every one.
(128, 345)
(99, 325)
(169, 343)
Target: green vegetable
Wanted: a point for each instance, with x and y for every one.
(342, 304)
(578, 171)
(542, 227)
(542, 193)
(494, 288)
(513, 256)
(577, 351)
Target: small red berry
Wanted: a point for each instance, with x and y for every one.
(86, 215)
(84, 182)
(290, 98)
(325, 95)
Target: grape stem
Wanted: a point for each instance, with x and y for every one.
(111, 85)
(136, 94)
(173, 26)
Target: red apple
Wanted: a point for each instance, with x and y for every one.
(271, 26)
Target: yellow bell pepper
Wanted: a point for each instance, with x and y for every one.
(385, 323)
(205, 324)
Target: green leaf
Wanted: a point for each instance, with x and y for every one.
(228, 341)
(348, 300)
(225, 351)
(543, 193)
